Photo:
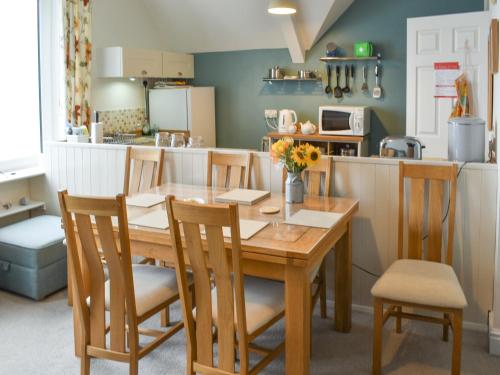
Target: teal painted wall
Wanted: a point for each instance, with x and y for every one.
(242, 96)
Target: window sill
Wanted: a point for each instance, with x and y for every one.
(20, 174)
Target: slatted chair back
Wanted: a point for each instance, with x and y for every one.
(78, 215)
(143, 169)
(312, 177)
(232, 170)
(226, 272)
(426, 185)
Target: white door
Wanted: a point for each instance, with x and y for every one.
(168, 109)
(457, 37)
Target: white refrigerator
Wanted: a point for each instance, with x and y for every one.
(186, 108)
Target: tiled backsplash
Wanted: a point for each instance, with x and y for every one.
(122, 120)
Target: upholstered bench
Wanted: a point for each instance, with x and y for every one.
(33, 257)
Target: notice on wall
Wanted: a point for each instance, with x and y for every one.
(445, 75)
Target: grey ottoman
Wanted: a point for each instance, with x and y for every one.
(33, 257)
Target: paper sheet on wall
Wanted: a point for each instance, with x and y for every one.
(445, 75)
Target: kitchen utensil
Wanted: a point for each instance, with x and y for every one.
(377, 90)
(275, 73)
(364, 87)
(363, 49)
(347, 151)
(177, 140)
(466, 140)
(346, 89)
(304, 74)
(331, 49)
(328, 88)
(286, 119)
(401, 147)
(352, 78)
(337, 91)
(308, 128)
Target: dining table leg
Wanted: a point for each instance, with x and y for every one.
(297, 320)
(343, 281)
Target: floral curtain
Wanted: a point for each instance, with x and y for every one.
(78, 57)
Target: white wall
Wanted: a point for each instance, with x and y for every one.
(495, 316)
(121, 23)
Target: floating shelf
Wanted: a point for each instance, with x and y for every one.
(17, 208)
(378, 57)
(291, 80)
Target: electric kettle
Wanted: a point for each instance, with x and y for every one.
(287, 118)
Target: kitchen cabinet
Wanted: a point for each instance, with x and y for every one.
(178, 65)
(120, 62)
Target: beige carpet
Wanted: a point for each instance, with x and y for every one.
(36, 338)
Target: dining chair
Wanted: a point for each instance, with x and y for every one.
(423, 278)
(312, 177)
(147, 169)
(240, 307)
(132, 294)
(233, 170)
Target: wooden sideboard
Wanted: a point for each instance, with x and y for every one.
(329, 144)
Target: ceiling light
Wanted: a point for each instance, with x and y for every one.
(281, 7)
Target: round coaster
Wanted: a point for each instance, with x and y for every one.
(269, 209)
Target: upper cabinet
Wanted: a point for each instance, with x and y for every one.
(180, 65)
(119, 62)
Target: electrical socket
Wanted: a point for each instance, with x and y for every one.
(270, 113)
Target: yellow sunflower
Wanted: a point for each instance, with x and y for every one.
(313, 155)
(299, 156)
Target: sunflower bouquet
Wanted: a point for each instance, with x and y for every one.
(294, 158)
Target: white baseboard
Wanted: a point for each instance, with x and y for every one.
(470, 326)
(494, 338)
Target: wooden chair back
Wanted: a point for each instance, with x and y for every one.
(78, 214)
(147, 169)
(233, 170)
(427, 181)
(227, 275)
(312, 177)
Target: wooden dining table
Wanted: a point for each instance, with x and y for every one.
(289, 253)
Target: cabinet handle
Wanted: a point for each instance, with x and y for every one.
(144, 73)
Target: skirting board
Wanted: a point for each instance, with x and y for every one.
(471, 326)
(494, 338)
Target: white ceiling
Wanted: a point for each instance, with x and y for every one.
(231, 25)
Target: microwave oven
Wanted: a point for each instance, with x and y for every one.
(344, 120)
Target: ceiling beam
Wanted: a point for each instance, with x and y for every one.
(292, 39)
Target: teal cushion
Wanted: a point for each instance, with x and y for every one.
(34, 243)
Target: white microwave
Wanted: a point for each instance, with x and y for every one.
(344, 120)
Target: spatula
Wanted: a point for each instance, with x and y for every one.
(364, 87)
(337, 90)
(377, 90)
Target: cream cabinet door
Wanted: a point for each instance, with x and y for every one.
(142, 63)
(461, 38)
(178, 65)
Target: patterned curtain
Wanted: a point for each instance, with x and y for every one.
(78, 57)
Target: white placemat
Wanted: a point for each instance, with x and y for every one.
(155, 219)
(248, 228)
(243, 196)
(145, 200)
(312, 218)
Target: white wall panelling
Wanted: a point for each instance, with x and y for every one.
(98, 169)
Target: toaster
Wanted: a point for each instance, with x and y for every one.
(401, 147)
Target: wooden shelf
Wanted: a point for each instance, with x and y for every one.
(319, 137)
(17, 208)
(378, 57)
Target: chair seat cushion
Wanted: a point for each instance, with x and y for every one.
(421, 282)
(153, 286)
(33, 243)
(264, 299)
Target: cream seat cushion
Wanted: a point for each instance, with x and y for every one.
(153, 286)
(264, 299)
(421, 282)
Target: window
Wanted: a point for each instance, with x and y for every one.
(19, 88)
